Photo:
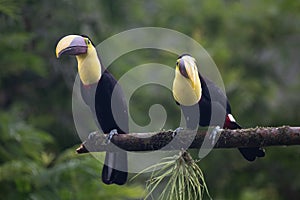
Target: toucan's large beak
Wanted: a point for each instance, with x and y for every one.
(71, 45)
(187, 68)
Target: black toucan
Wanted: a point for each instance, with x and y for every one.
(97, 86)
(192, 91)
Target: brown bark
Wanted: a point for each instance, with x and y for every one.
(252, 137)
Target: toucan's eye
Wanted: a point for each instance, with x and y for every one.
(87, 41)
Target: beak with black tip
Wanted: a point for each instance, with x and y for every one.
(71, 45)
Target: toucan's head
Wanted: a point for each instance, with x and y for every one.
(89, 67)
(73, 45)
(186, 86)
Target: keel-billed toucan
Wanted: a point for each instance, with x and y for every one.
(97, 86)
(193, 91)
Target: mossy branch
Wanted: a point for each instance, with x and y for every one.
(252, 137)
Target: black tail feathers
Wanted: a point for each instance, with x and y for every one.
(115, 168)
(250, 154)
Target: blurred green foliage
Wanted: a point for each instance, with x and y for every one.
(255, 45)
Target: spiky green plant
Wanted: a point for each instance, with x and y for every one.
(184, 178)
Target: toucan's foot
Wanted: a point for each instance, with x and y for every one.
(177, 130)
(92, 135)
(110, 135)
(214, 133)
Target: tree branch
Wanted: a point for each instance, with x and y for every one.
(252, 137)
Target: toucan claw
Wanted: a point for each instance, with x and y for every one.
(177, 130)
(110, 135)
(214, 133)
(92, 135)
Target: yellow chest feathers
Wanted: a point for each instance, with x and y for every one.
(184, 92)
(89, 67)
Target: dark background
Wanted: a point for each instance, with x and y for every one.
(255, 45)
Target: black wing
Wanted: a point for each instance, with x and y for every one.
(99, 98)
(212, 98)
(111, 113)
(213, 93)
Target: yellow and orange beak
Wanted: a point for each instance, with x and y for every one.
(187, 89)
(71, 45)
(187, 68)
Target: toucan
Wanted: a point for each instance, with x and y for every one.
(97, 86)
(192, 92)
